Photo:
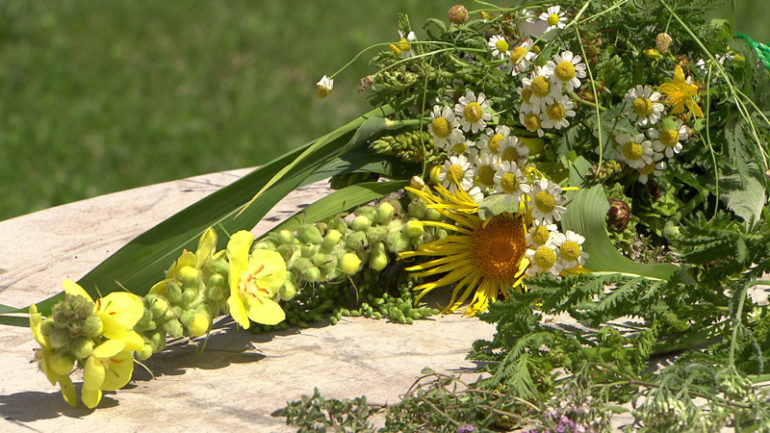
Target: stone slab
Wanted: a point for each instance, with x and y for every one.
(240, 378)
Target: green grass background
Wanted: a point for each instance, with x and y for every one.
(100, 96)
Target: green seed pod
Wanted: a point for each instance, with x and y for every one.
(174, 292)
(288, 290)
(331, 240)
(189, 276)
(360, 223)
(414, 228)
(417, 209)
(310, 234)
(308, 250)
(320, 259)
(330, 270)
(312, 274)
(385, 212)
(60, 338)
(368, 211)
(173, 328)
(376, 234)
(350, 263)
(82, 347)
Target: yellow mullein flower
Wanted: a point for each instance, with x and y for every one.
(483, 257)
(119, 312)
(681, 93)
(56, 368)
(254, 280)
(109, 368)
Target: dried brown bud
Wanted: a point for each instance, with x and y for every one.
(619, 215)
(458, 14)
(662, 42)
(365, 83)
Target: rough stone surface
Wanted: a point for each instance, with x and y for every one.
(240, 378)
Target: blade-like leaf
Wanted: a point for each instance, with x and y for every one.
(586, 215)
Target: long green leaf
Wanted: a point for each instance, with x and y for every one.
(340, 201)
(586, 214)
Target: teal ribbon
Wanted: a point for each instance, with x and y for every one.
(762, 50)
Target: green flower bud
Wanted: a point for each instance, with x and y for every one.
(157, 305)
(171, 313)
(302, 264)
(198, 325)
(158, 341)
(82, 347)
(189, 276)
(60, 338)
(216, 293)
(174, 292)
(308, 250)
(217, 280)
(286, 251)
(218, 267)
(330, 270)
(286, 237)
(357, 241)
(432, 214)
(145, 353)
(309, 234)
(189, 295)
(93, 327)
(397, 242)
(173, 328)
(368, 211)
(385, 212)
(47, 326)
(417, 209)
(320, 259)
(414, 228)
(312, 275)
(288, 290)
(360, 223)
(331, 240)
(265, 245)
(378, 262)
(350, 263)
(337, 223)
(376, 234)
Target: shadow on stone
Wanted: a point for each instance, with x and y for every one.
(32, 406)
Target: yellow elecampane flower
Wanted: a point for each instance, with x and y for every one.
(56, 368)
(254, 280)
(680, 93)
(109, 368)
(119, 313)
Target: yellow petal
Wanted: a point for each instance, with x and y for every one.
(36, 325)
(186, 259)
(124, 307)
(73, 288)
(266, 311)
(108, 349)
(159, 288)
(238, 311)
(134, 341)
(238, 257)
(678, 75)
(91, 397)
(206, 246)
(273, 273)
(68, 390)
(119, 370)
(93, 376)
(60, 364)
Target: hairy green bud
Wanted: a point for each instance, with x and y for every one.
(286, 237)
(360, 223)
(417, 209)
(59, 337)
(331, 240)
(312, 274)
(378, 261)
(265, 245)
(302, 264)
(189, 276)
(320, 259)
(367, 211)
(286, 251)
(385, 212)
(376, 234)
(174, 292)
(308, 250)
(173, 328)
(288, 290)
(397, 242)
(309, 234)
(350, 263)
(357, 241)
(414, 228)
(157, 305)
(432, 214)
(82, 347)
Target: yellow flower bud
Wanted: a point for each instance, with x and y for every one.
(652, 53)
(350, 263)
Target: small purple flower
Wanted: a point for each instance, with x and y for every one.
(468, 428)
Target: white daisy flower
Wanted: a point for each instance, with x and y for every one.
(510, 181)
(634, 150)
(666, 140)
(471, 111)
(514, 151)
(467, 148)
(492, 141)
(404, 47)
(543, 259)
(499, 47)
(547, 201)
(525, 92)
(521, 57)
(484, 170)
(531, 122)
(554, 17)
(443, 127)
(455, 173)
(542, 233)
(652, 169)
(323, 87)
(570, 248)
(556, 113)
(567, 68)
(645, 108)
(543, 86)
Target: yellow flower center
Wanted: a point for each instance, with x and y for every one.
(494, 143)
(498, 246)
(247, 285)
(404, 45)
(531, 122)
(647, 169)
(541, 86)
(472, 112)
(510, 154)
(526, 93)
(540, 235)
(487, 175)
(555, 111)
(633, 151)
(518, 53)
(570, 250)
(553, 19)
(545, 257)
(565, 70)
(642, 107)
(441, 127)
(501, 45)
(456, 173)
(509, 183)
(545, 202)
(460, 148)
(669, 137)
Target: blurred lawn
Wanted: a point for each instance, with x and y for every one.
(100, 96)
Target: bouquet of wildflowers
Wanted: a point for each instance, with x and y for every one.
(601, 158)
